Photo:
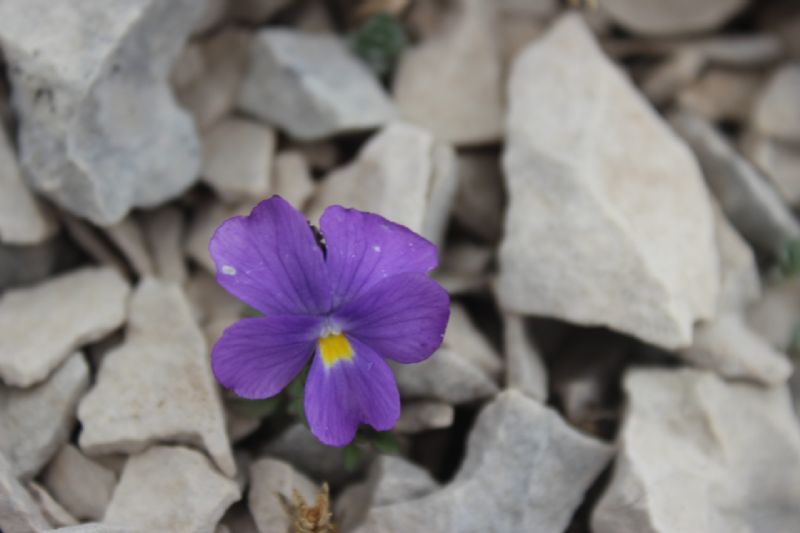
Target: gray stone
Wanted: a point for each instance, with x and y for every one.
(18, 512)
(89, 239)
(51, 509)
(158, 385)
(299, 447)
(268, 478)
(525, 368)
(780, 161)
(237, 159)
(23, 220)
(128, 238)
(256, 11)
(777, 314)
(207, 218)
(164, 232)
(81, 485)
(479, 201)
(170, 489)
(777, 109)
(653, 17)
(701, 454)
(721, 94)
(465, 267)
(23, 265)
(41, 325)
(403, 174)
(36, 422)
(676, 72)
(641, 258)
(464, 337)
(292, 178)
(100, 132)
(310, 86)
(424, 416)
(451, 83)
(751, 204)
(524, 470)
(210, 302)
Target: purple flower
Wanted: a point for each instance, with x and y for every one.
(368, 298)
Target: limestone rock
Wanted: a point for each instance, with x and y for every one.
(310, 85)
(41, 325)
(100, 132)
(641, 258)
(51, 509)
(268, 478)
(23, 265)
(525, 368)
(36, 422)
(451, 83)
(292, 177)
(465, 268)
(464, 337)
(18, 512)
(424, 416)
(776, 315)
(780, 161)
(158, 385)
(777, 109)
(701, 454)
(210, 302)
(170, 489)
(81, 485)
(652, 17)
(721, 94)
(238, 159)
(401, 174)
(128, 238)
(207, 218)
(23, 220)
(163, 231)
(525, 470)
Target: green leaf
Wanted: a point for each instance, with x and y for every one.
(352, 456)
(256, 408)
(386, 443)
(790, 258)
(379, 42)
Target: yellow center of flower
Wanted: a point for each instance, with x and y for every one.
(335, 348)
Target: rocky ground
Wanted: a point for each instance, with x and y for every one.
(613, 190)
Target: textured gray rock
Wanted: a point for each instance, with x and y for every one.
(208, 217)
(128, 238)
(36, 422)
(780, 161)
(22, 218)
(643, 223)
(268, 478)
(100, 132)
(41, 325)
(182, 493)
(310, 86)
(18, 512)
(777, 109)
(701, 454)
(51, 509)
(525, 368)
(158, 385)
(81, 485)
(451, 83)
(292, 177)
(23, 265)
(652, 17)
(424, 416)
(776, 315)
(525, 470)
(403, 174)
(748, 200)
(721, 94)
(464, 337)
(164, 232)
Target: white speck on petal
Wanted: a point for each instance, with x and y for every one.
(228, 270)
(376, 248)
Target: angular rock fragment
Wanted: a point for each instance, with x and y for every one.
(36, 422)
(641, 255)
(401, 174)
(128, 238)
(777, 109)
(207, 219)
(464, 337)
(23, 265)
(310, 85)
(701, 454)
(51, 509)
(170, 489)
(522, 459)
(100, 132)
(18, 512)
(780, 161)
(41, 325)
(81, 485)
(424, 416)
(268, 478)
(158, 385)
(292, 177)
(777, 314)
(721, 94)
(653, 17)
(164, 230)
(525, 368)
(451, 83)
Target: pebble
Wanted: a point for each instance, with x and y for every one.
(164, 233)
(128, 238)
(780, 161)
(292, 178)
(268, 478)
(776, 112)
(419, 416)
(18, 511)
(83, 486)
(525, 369)
(51, 509)
(653, 17)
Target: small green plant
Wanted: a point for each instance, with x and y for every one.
(379, 42)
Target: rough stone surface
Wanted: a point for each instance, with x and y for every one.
(51, 509)
(81, 485)
(210, 302)
(22, 218)
(41, 325)
(268, 478)
(776, 315)
(401, 174)
(158, 385)
(310, 85)
(525, 470)
(18, 512)
(164, 229)
(525, 368)
(424, 416)
(721, 94)
(750, 203)
(23, 265)
(653, 17)
(780, 161)
(464, 337)
(777, 108)
(464, 268)
(100, 132)
(292, 178)
(700, 454)
(36, 422)
(451, 83)
(128, 238)
(642, 258)
(183, 493)
(205, 222)
(237, 159)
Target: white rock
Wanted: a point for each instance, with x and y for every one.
(90, 240)
(465, 268)
(780, 161)
(777, 109)
(424, 416)
(310, 85)
(100, 131)
(237, 159)
(268, 478)
(51, 509)
(479, 201)
(525, 368)
(700, 454)
(401, 174)
(297, 446)
(210, 302)
(158, 385)
(128, 238)
(653, 17)
(292, 178)
(207, 218)
(95, 528)
(464, 337)
(18, 512)
(776, 315)
(524, 470)
(451, 83)
(81, 485)
(41, 325)
(641, 258)
(672, 75)
(23, 220)
(171, 489)
(36, 422)
(189, 67)
(164, 231)
(721, 94)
